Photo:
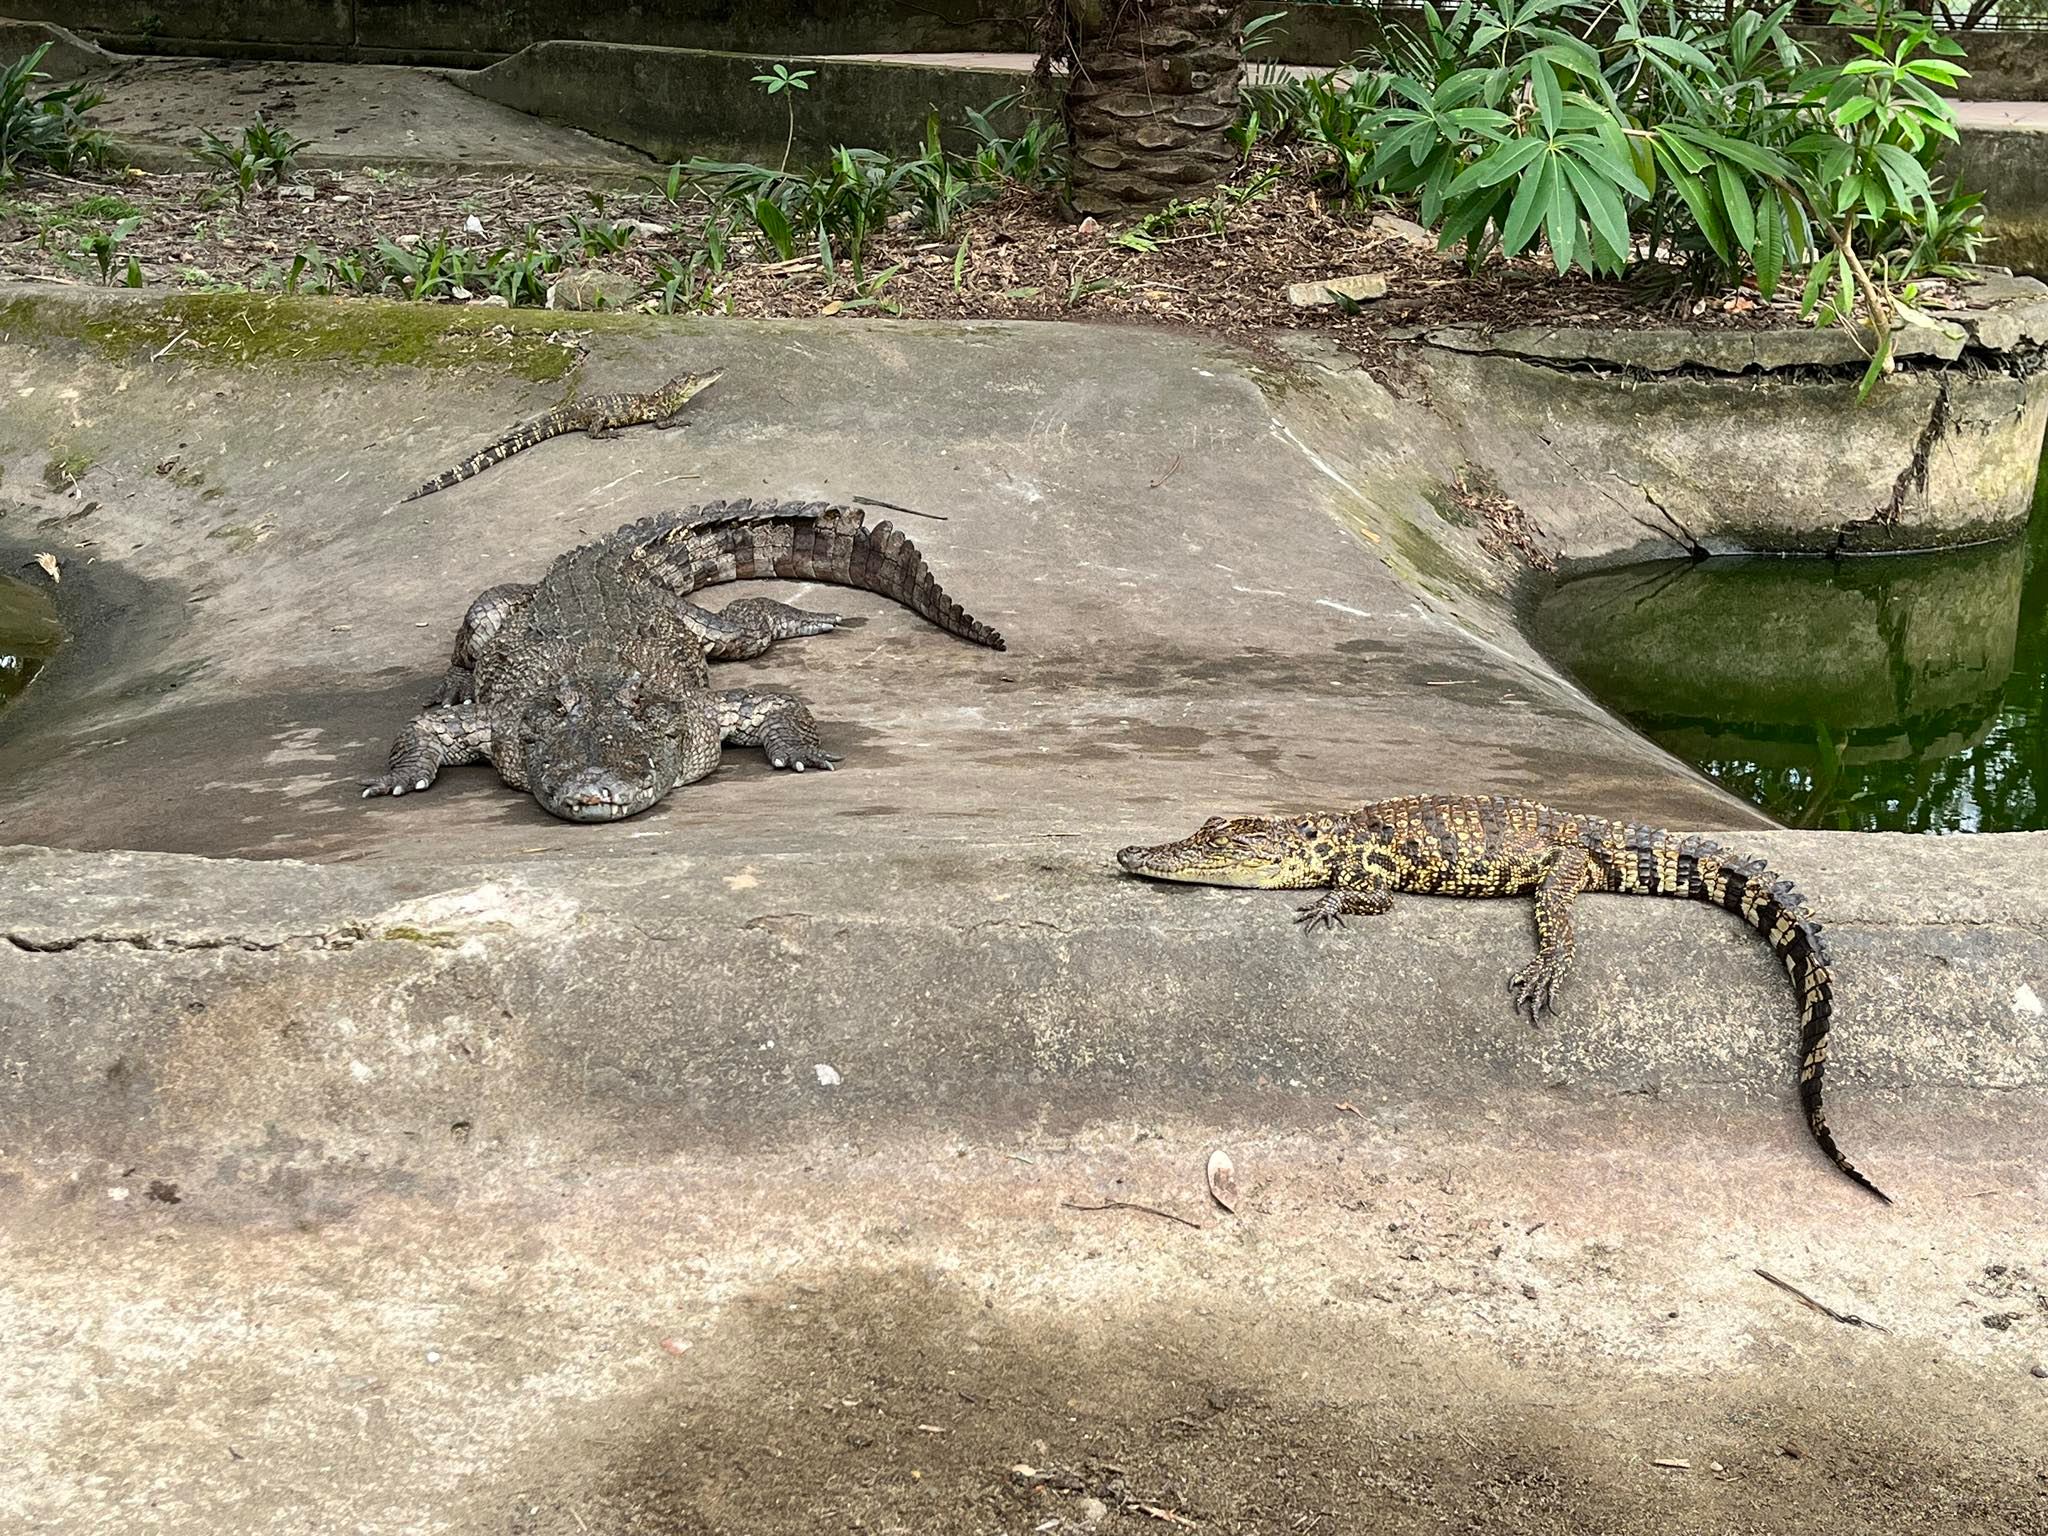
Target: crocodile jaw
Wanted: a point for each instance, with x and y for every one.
(1249, 853)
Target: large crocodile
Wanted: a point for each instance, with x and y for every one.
(590, 687)
(1461, 845)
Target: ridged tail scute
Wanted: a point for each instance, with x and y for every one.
(1774, 909)
(797, 541)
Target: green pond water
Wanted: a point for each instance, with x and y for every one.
(29, 634)
(1895, 693)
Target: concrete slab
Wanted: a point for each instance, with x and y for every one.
(351, 115)
(433, 1165)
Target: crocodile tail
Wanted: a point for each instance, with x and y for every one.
(797, 541)
(884, 560)
(536, 431)
(1774, 909)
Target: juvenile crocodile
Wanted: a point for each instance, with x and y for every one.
(600, 415)
(590, 687)
(1458, 845)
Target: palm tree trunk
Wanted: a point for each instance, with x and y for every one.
(1152, 95)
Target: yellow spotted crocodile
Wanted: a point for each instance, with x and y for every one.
(1458, 845)
(600, 415)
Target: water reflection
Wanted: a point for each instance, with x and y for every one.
(1898, 693)
(28, 635)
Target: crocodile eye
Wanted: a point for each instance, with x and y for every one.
(1215, 823)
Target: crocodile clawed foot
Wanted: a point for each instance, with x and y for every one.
(797, 759)
(395, 784)
(1534, 986)
(1325, 912)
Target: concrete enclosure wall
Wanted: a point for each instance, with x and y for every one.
(2005, 66)
(675, 103)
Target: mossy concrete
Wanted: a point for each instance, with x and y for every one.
(272, 332)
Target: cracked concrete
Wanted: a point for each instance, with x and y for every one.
(434, 1166)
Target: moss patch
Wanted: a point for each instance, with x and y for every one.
(239, 330)
(432, 937)
(66, 468)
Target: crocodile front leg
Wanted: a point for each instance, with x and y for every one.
(437, 738)
(486, 616)
(1537, 981)
(1332, 907)
(777, 723)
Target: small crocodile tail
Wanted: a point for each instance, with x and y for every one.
(799, 541)
(1775, 910)
(536, 431)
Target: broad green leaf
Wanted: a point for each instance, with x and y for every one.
(1532, 199)
(1562, 219)
(1770, 249)
(1735, 200)
(1697, 201)
(1497, 165)
(1601, 202)
(1549, 98)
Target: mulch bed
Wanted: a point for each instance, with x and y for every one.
(1021, 259)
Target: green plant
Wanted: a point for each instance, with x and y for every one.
(601, 237)
(1028, 159)
(278, 146)
(45, 128)
(1624, 134)
(263, 156)
(104, 205)
(838, 206)
(781, 81)
(939, 188)
(424, 271)
(1869, 171)
(101, 246)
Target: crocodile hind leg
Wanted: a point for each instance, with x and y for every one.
(1332, 907)
(1537, 981)
(777, 723)
(436, 738)
(752, 624)
(486, 616)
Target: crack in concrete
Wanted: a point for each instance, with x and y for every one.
(1912, 479)
(157, 943)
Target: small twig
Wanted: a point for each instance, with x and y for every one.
(157, 355)
(1821, 1307)
(890, 506)
(1132, 1205)
(1168, 475)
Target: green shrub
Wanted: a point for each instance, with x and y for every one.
(1624, 134)
(45, 128)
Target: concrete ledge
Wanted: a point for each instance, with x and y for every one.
(70, 57)
(1732, 441)
(676, 102)
(2008, 163)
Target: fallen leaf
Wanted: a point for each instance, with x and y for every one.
(1223, 1180)
(49, 564)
